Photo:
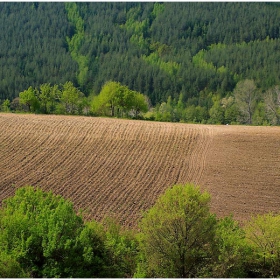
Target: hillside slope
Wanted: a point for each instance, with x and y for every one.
(157, 49)
(120, 167)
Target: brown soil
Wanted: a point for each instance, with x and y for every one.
(243, 170)
(120, 167)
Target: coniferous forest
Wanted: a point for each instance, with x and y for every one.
(187, 58)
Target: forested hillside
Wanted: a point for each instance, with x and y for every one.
(158, 49)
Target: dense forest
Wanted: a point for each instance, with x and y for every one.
(195, 53)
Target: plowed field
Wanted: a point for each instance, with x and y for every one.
(120, 167)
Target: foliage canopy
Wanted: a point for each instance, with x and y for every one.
(178, 233)
(42, 236)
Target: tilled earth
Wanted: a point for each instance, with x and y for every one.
(119, 167)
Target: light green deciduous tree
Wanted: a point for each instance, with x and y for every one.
(71, 97)
(263, 234)
(177, 235)
(272, 102)
(28, 97)
(39, 231)
(119, 100)
(48, 96)
(245, 94)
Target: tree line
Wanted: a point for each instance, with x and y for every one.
(245, 105)
(42, 235)
(113, 100)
